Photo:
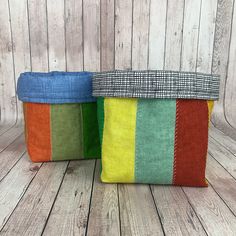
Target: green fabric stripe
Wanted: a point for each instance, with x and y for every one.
(66, 125)
(100, 106)
(155, 132)
(90, 131)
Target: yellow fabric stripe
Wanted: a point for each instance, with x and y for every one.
(210, 105)
(118, 147)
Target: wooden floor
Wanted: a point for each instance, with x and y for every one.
(67, 198)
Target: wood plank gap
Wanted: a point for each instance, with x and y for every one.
(91, 195)
(3, 177)
(224, 146)
(55, 198)
(218, 193)
(162, 227)
(35, 169)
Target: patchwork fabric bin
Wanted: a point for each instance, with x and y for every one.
(154, 125)
(60, 115)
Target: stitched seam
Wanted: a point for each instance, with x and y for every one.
(176, 141)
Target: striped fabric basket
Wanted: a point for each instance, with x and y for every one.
(60, 115)
(154, 125)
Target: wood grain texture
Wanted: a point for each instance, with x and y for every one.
(157, 30)
(7, 75)
(123, 34)
(38, 34)
(223, 156)
(74, 35)
(14, 185)
(174, 34)
(56, 35)
(214, 215)
(31, 213)
(104, 211)
(223, 139)
(11, 154)
(206, 35)
(140, 34)
(20, 40)
(69, 214)
(230, 106)
(176, 214)
(220, 58)
(192, 13)
(107, 34)
(222, 182)
(9, 136)
(137, 211)
(91, 29)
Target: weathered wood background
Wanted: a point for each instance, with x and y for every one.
(72, 35)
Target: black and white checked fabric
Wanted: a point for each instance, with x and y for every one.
(156, 84)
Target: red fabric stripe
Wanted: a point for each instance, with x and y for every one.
(191, 141)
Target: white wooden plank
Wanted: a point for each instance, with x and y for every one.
(230, 107)
(38, 34)
(223, 183)
(123, 34)
(8, 109)
(107, 34)
(8, 137)
(13, 186)
(20, 39)
(5, 126)
(174, 34)
(140, 34)
(190, 35)
(206, 35)
(137, 211)
(75, 191)
(74, 35)
(157, 32)
(220, 56)
(223, 156)
(214, 215)
(31, 213)
(56, 35)
(11, 155)
(91, 28)
(104, 211)
(177, 216)
(223, 139)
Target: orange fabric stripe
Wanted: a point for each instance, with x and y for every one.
(37, 118)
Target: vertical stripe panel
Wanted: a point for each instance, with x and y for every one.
(155, 129)
(38, 131)
(100, 113)
(66, 123)
(90, 131)
(191, 139)
(119, 140)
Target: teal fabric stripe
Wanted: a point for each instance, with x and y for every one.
(155, 134)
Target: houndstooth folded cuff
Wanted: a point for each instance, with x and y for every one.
(156, 84)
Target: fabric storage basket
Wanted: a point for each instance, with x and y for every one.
(60, 115)
(154, 125)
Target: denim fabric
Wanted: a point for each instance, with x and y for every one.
(55, 87)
